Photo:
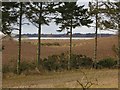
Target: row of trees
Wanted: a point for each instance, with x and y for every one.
(67, 15)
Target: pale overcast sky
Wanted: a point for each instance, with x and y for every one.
(52, 27)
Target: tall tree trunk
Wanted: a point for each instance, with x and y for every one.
(119, 48)
(69, 64)
(96, 36)
(119, 38)
(119, 44)
(19, 47)
(39, 36)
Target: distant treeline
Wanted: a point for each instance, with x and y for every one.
(65, 35)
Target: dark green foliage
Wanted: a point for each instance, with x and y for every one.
(107, 63)
(55, 62)
(86, 62)
(72, 15)
(60, 62)
(63, 61)
(38, 13)
(51, 63)
(10, 14)
(80, 61)
(110, 10)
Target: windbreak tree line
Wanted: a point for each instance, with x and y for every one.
(38, 14)
(68, 15)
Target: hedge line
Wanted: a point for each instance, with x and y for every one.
(60, 62)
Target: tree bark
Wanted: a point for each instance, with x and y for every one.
(69, 65)
(39, 36)
(96, 36)
(119, 44)
(19, 47)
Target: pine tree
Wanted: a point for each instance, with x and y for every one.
(110, 21)
(38, 14)
(70, 16)
(10, 15)
(94, 13)
(20, 29)
(112, 12)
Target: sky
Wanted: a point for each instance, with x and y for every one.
(52, 28)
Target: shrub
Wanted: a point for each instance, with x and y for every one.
(107, 62)
(78, 61)
(56, 62)
(27, 66)
(86, 62)
(51, 63)
(60, 62)
(75, 61)
(63, 61)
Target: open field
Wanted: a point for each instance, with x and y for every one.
(84, 47)
(104, 78)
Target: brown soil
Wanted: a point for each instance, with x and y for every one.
(86, 47)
